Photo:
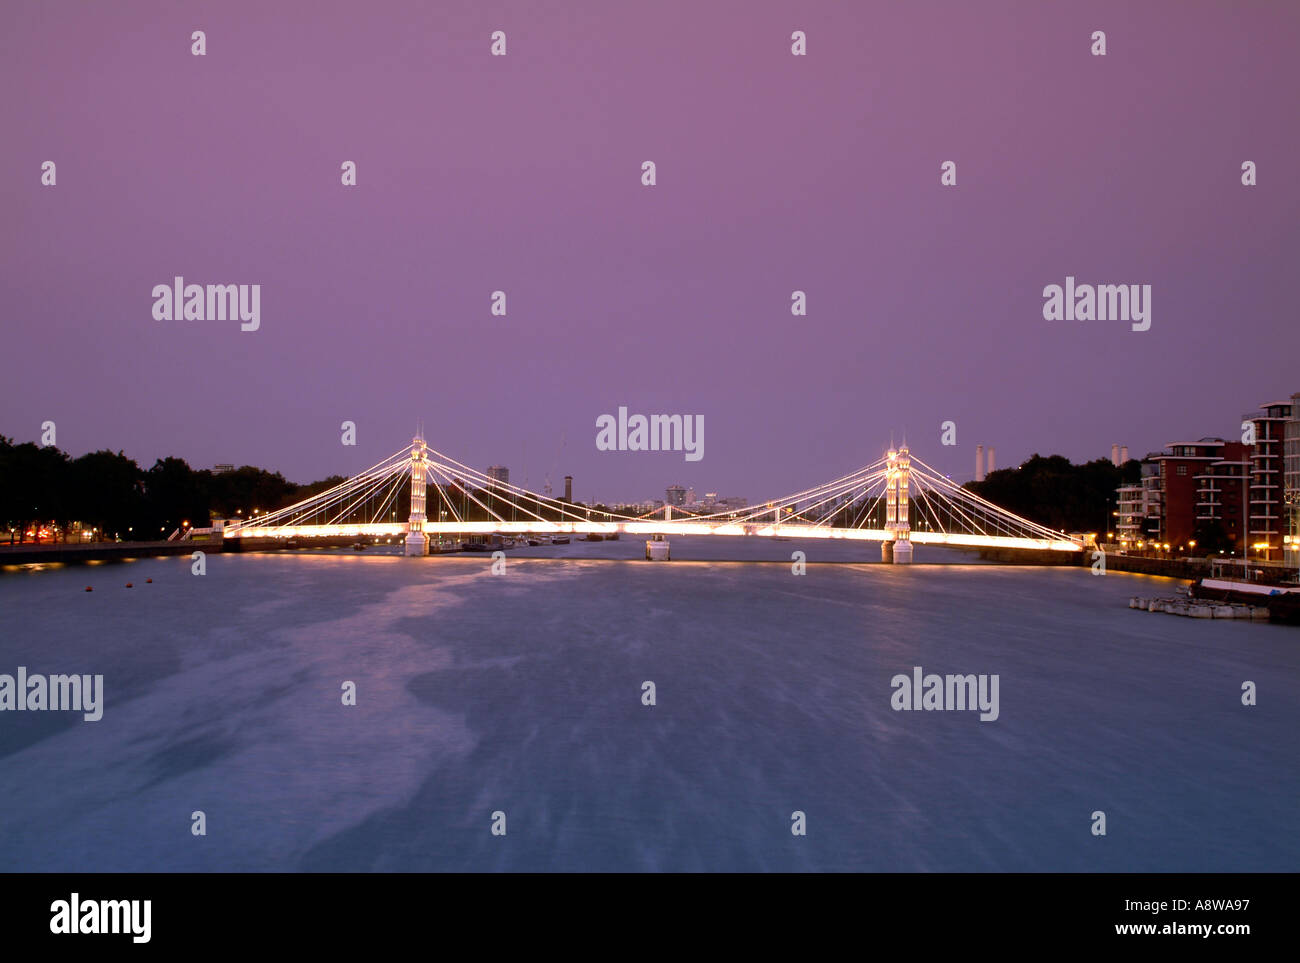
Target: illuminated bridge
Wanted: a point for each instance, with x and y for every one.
(897, 500)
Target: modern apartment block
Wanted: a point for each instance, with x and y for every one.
(1268, 507)
(1291, 482)
(1140, 506)
(1243, 495)
(1221, 495)
(1181, 466)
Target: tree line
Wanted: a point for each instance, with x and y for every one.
(1063, 496)
(44, 487)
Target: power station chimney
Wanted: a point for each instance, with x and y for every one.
(568, 489)
(979, 462)
(1123, 454)
(1114, 455)
(990, 466)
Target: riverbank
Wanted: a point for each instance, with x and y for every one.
(1169, 567)
(99, 551)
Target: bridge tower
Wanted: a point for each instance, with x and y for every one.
(899, 549)
(417, 542)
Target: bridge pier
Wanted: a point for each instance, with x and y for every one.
(899, 551)
(417, 542)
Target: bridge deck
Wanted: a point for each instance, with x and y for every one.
(651, 527)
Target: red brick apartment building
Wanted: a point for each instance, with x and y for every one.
(1244, 494)
(1221, 493)
(1182, 466)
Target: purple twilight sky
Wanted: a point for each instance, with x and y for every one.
(522, 173)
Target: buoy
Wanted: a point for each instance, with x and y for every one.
(89, 589)
(148, 580)
(128, 584)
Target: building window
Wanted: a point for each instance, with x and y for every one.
(1182, 469)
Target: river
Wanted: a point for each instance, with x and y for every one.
(521, 694)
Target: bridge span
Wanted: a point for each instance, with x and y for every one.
(897, 500)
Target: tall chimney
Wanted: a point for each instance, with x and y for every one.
(1114, 455)
(568, 488)
(1123, 454)
(990, 467)
(979, 462)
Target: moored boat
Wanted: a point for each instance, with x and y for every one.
(1281, 598)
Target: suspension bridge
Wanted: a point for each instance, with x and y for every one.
(897, 500)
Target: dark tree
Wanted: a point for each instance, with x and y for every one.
(174, 494)
(1053, 492)
(108, 494)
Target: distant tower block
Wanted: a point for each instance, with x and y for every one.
(1123, 454)
(417, 542)
(1114, 454)
(568, 488)
(979, 462)
(991, 460)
